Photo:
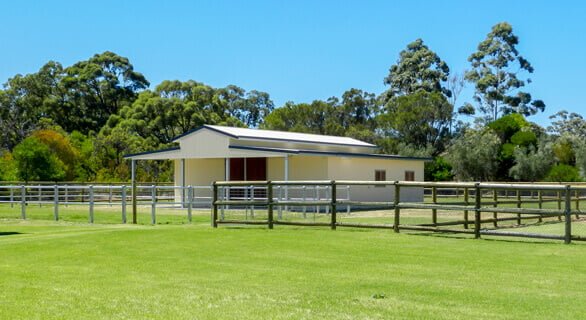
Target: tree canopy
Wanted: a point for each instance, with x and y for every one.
(495, 73)
(418, 68)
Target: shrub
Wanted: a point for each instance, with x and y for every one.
(563, 173)
(36, 162)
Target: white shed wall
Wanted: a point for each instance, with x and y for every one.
(362, 169)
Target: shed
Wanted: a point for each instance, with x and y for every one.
(213, 153)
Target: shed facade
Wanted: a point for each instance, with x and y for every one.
(215, 153)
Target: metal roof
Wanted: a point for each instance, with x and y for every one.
(273, 135)
(131, 155)
(330, 153)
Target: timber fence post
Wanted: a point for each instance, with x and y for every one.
(215, 205)
(568, 216)
(466, 203)
(333, 204)
(477, 204)
(270, 204)
(123, 196)
(434, 201)
(11, 196)
(396, 202)
(134, 204)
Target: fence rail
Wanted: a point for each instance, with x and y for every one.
(153, 196)
(478, 200)
(547, 211)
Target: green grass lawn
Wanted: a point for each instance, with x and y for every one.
(64, 270)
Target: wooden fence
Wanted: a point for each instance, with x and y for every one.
(478, 199)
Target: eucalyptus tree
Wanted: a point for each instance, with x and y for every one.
(97, 88)
(418, 68)
(416, 107)
(171, 109)
(420, 119)
(496, 73)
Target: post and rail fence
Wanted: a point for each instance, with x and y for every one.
(117, 197)
(544, 211)
(490, 217)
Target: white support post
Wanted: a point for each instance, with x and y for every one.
(56, 202)
(189, 202)
(123, 195)
(133, 186)
(182, 175)
(110, 195)
(40, 196)
(66, 195)
(153, 204)
(11, 196)
(286, 179)
(91, 213)
(23, 202)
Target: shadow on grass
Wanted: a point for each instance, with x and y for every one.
(9, 233)
(459, 236)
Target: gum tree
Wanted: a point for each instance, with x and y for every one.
(497, 69)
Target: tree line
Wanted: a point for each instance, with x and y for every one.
(77, 122)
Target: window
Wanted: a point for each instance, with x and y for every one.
(409, 175)
(380, 175)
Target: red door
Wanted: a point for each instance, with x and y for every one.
(249, 169)
(256, 169)
(236, 169)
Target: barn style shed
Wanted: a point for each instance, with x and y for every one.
(213, 153)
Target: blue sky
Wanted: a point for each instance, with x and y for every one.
(295, 50)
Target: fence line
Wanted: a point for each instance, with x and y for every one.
(563, 197)
(153, 196)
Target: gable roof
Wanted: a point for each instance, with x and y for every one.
(273, 135)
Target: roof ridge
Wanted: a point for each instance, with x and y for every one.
(228, 128)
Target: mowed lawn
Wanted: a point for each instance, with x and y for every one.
(58, 270)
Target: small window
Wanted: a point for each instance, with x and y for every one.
(380, 175)
(409, 175)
